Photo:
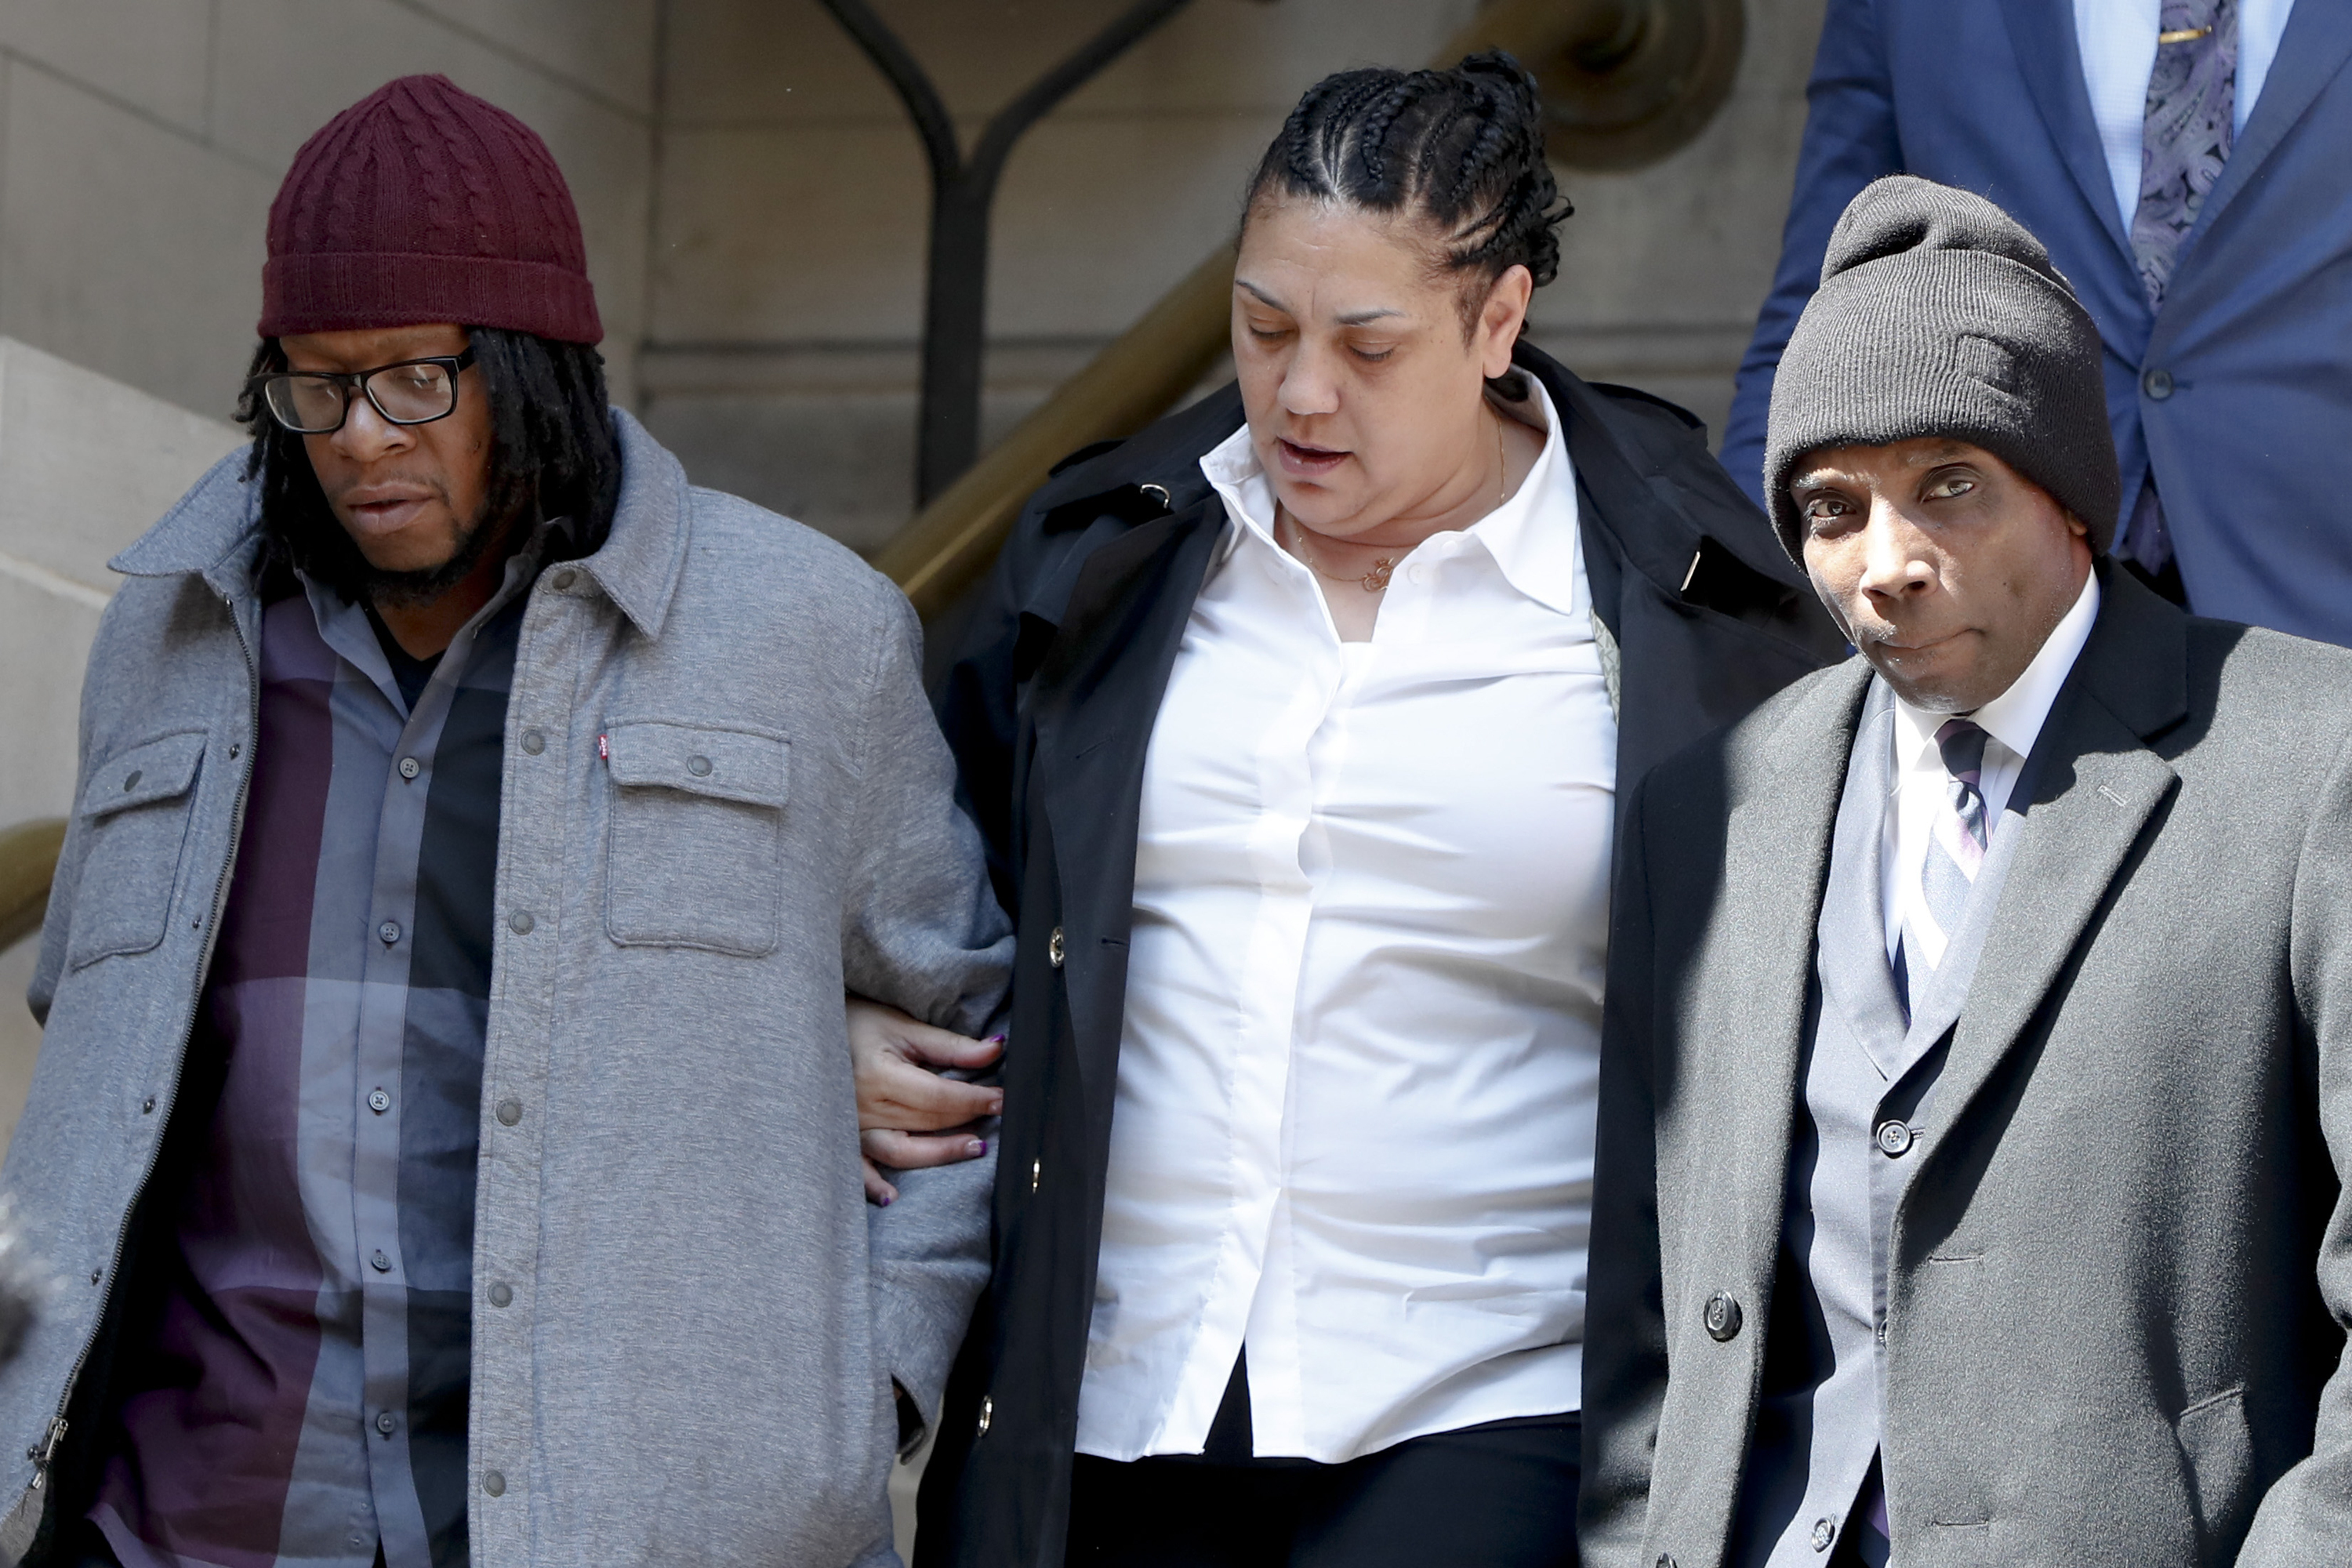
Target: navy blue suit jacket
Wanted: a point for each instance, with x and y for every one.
(2239, 390)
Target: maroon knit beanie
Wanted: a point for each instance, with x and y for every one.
(422, 204)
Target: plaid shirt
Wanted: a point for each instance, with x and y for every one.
(301, 1394)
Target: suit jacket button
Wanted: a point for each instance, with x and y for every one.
(1054, 948)
(1722, 1316)
(2157, 385)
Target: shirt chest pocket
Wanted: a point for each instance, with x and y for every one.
(134, 811)
(696, 855)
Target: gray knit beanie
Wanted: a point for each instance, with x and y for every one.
(1939, 315)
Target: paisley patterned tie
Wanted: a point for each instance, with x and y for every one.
(2191, 97)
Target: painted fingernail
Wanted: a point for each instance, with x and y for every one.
(993, 1040)
(886, 1202)
(976, 1148)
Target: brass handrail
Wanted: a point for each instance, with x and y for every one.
(1143, 373)
(28, 861)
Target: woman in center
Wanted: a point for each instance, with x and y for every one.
(1294, 725)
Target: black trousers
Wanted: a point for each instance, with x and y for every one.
(1497, 1496)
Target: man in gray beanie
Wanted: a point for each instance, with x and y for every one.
(1977, 1079)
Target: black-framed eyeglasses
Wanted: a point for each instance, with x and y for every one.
(316, 401)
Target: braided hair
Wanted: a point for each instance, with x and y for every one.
(1460, 149)
(553, 453)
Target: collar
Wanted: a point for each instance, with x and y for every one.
(214, 531)
(1531, 537)
(2015, 717)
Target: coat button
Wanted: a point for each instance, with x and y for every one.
(510, 1112)
(384, 1423)
(1054, 950)
(1722, 1317)
(1824, 1533)
(1664, 1560)
(501, 1295)
(410, 767)
(520, 922)
(1036, 1173)
(533, 742)
(2156, 383)
(379, 1101)
(987, 1413)
(698, 765)
(131, 782)
(494, 1483)
(1893, 1138)
(563, 579)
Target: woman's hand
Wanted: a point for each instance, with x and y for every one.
(908, 1116)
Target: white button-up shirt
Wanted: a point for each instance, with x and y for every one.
(1354, 1120)
(1920, 786)
(2116, 39)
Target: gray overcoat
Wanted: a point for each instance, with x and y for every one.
(705, 1319)
(2119, 1275)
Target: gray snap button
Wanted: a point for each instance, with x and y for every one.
(148, 1109)
(698, 765)
(494, 1483)
(563, 579)
(1722, 1317)
(1824, 1533)
(2157, 384)
(1054, 949)
(384, 1423)
(390, 932)
(501, 1295)
(383, 1264)
(533, 742)
(1893, 1138)
(379, 1101)
(410, 767)
(510, 1112)
(520, 922)
(132, 782)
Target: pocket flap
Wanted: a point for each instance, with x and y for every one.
(747, 766)
(143, 774)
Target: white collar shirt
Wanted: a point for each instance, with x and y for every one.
(1355, 1105)
(1919, 787)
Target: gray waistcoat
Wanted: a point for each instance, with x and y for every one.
(1818, 1426)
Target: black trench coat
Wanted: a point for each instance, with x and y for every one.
(1049, 705)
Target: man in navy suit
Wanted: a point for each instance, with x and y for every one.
(2186, 163)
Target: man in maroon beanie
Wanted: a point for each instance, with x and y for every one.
(444, 1130)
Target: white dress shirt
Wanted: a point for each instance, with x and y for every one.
(2116, 39)
(1355, 1106)
(1920, 789)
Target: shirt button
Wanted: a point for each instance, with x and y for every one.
(1416, 573)
(379, 1101)
(383, 1264)
(390, 932)
(384, 1423)
(1893, 1138)
(700, 766)
(1824, 1532)
(494, 1483)
(410, 767)
(500, 1295)
(2157, 385)
(510, 1112)
(1054, 949)
(563, 579)
(520, 922)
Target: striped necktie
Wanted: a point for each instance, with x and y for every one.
(1956, 852)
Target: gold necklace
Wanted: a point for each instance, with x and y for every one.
(1371, 581)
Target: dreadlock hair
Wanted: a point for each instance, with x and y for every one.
(1460, 149)
(552, 454)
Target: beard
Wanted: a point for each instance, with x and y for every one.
(477, 537)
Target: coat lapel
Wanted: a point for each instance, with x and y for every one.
(1776, 865)
(2312, 52)
(2095, 785)
(1099, 685)
(2048, 56)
